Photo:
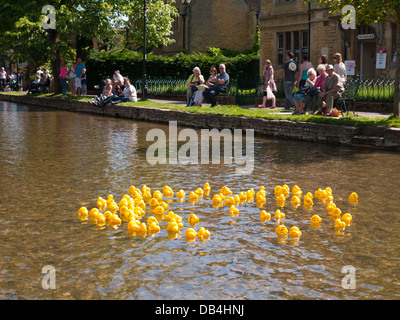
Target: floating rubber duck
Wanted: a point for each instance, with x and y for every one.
(262, 192)
(277, 190)
(132, 190)
(233, 211)
(138, 211)
(237, 199)
(167, 192)
(107, 214)
(147, 196)
(296, 191)
(309, 194)
(190, 234)
(242, 197)
(193, 219)
(264, 216)
(153, 228)
(295, 201)
(133, 226)
(125, 213)
(308, 202)
(280, 200)
(294, 232)
(145, 188)
(250, 194)
(285, 190)
(142, 230)
(101, 203)
(158, 210)
(315, 219)
(330, 207)
(279, 215)
(141, 204)
(153, 202)
(100, 220)
(203, 234)
(180, 194)
(151, 220)
(115, 221)
(230, 201)
(207, 189)
(123, 202)
(199, 192)
(226, 191)
(112, 206)
(336, 212)
(164, 205)
(353, 198)
(281, 230)
(317, 193)
(83, 213)
(193, 196)
(260, 199)
(347, 218)
(216, 199)
(93, 213)
(339, 224)
(110, 198)
(173, 227)
(157, 195)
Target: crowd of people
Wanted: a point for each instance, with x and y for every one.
(317, 89)
(11, 81)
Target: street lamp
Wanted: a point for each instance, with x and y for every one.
(144, 77)
(185, 3)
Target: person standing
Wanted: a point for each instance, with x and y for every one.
(303, 72)
(78, 73)
(72, 76)
(269, 85)
(83, 82)
(340, 67)
(63, 78)
(291, 70)
(3, 77)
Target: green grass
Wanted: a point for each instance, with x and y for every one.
(234, 110)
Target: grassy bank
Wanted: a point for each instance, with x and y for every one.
(233, 110)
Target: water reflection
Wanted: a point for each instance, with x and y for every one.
(53, 162)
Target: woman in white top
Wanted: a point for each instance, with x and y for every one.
(3, 77)
(339, 67)
(72, 76)
(129, 93)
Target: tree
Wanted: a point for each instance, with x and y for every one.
(159, 17)
(372, 11)
(24, 27)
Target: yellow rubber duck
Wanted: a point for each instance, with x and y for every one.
(280, 200)
(100, 220)
(115, 221)
(107, 214)
(147, 196)
(153, 228)
(133, 226)
(233, 211)
(142, 230)
(277, 190)
(315, 219)
(279, 215)
(308, 201)
(173, 227)
(125, 213)
(317, 193)
(158, 210)
(347, 218)
(226, 191)
(295, 201)
(339, 224)
(157, 195)
(262, 192)
(260, 198)
(207, 189)
(353, 198)
(285, 190)
(294, 232)
(83, 213)
(330, 207)
(112, 206)
(164, 205)
(110, 198)
(199, 192)
(336, 212)
(203, 234)
(145, 188)
(153, 202)
(264, 216)
(242, 197)
(296, 191)
(167, 192)
(132, 190)
(180, 194)
(141, 204)
(193, 196)
(93, 213)
(190, 234)
(151, 220)
(250, 194)
(138, 211)
(230, 201)
(123, 202)
(216, 199)
(101, 203)
(193, 219)
(281, 230)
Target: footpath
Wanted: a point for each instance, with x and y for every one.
(371, 136)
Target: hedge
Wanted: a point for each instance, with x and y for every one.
(102, 64)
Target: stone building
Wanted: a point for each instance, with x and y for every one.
(202, 24)
(292, 25)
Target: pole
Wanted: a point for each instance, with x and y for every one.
(144, 80)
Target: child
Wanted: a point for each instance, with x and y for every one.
(83, 82)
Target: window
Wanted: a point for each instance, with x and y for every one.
(280, 48)
(295, 41)
(304, 42)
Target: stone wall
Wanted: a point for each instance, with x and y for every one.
(377, 137)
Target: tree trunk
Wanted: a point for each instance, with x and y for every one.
(396, 105)
(55, 60)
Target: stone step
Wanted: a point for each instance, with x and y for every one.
(369, 140)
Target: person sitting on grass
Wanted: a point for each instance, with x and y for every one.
(217, 86)
(105, 93)
(128, 94)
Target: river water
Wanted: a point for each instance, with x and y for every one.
(53, 162)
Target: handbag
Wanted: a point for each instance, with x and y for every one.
(194, 88)
(270, 94)
(314, 91)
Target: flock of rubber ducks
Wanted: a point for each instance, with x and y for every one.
(132, 208)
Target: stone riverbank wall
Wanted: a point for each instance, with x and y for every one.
(379, 137)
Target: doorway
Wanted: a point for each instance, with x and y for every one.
(368, 60)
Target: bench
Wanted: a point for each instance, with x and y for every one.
(349, 95)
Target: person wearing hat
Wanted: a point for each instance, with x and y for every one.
(331, 90)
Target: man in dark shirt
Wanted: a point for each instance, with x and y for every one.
(291, 70)
(219, 84)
